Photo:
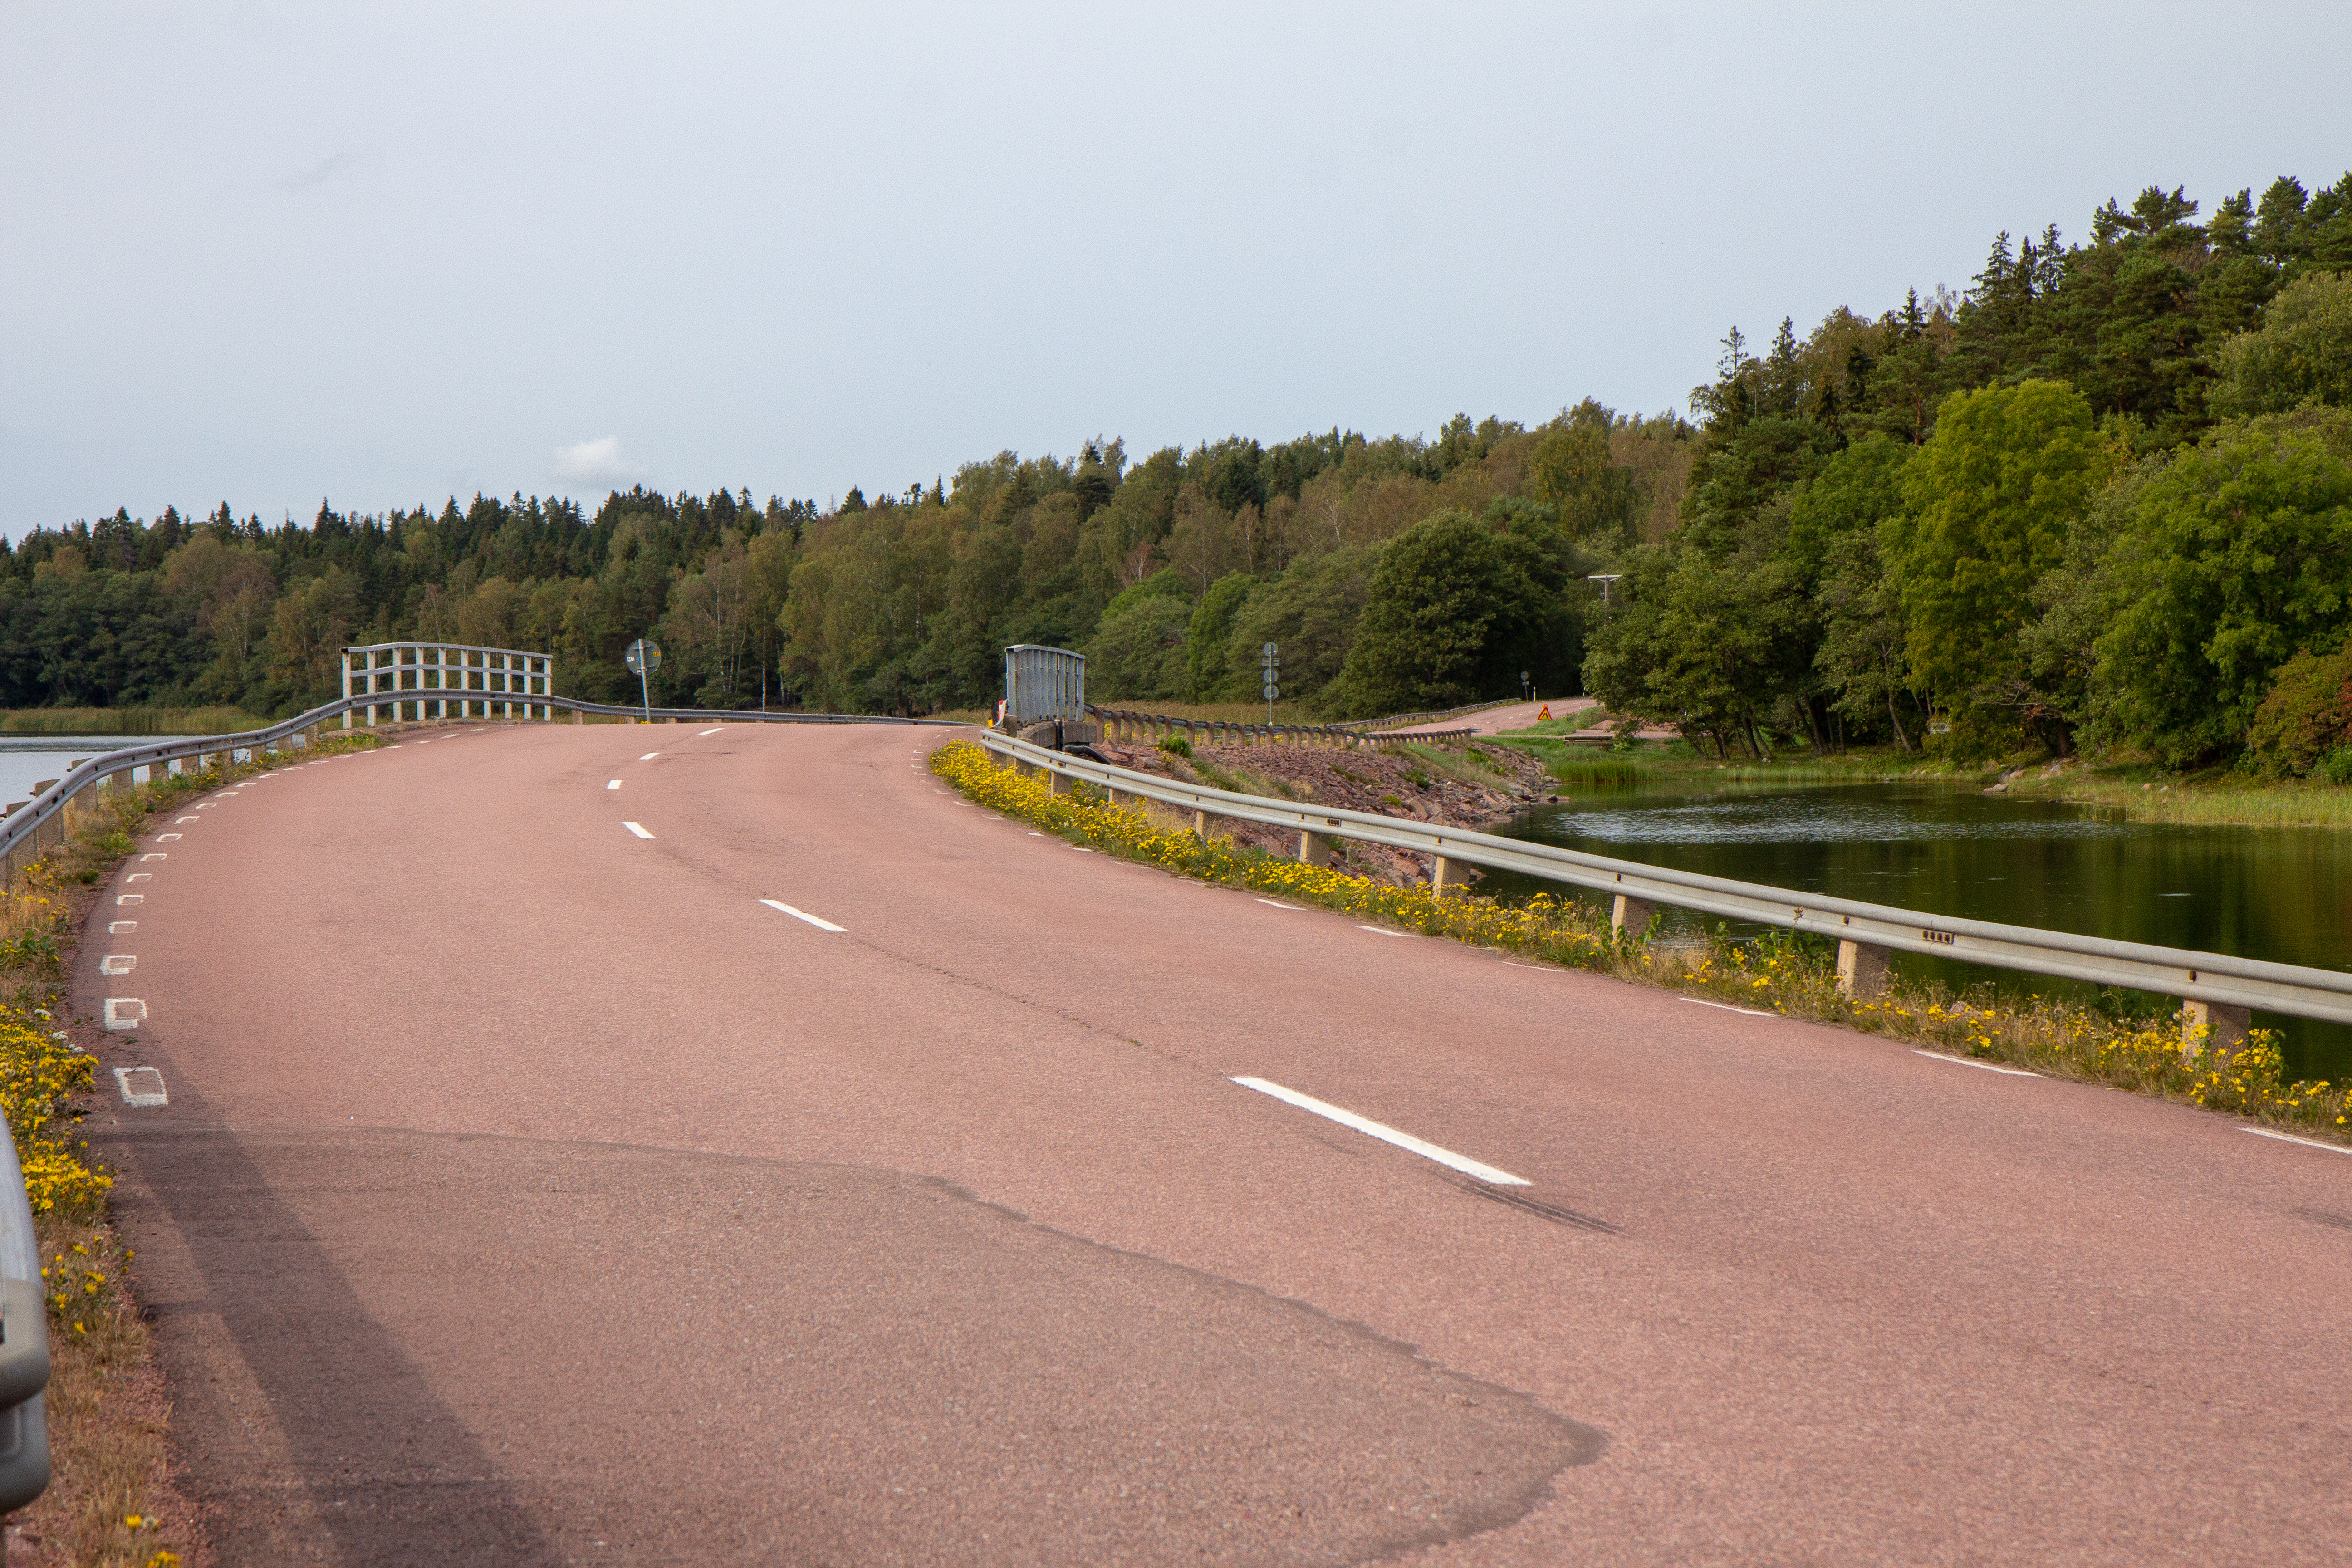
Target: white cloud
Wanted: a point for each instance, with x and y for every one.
(596, 463)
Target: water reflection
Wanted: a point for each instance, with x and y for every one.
(2283, 894)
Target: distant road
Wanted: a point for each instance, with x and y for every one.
(1519, 715)
(823, 1170)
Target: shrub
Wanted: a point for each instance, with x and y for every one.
(1177, 746)
(2305, 723)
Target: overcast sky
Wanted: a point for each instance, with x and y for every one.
(385, 254)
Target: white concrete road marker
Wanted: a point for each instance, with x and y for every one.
(117, 928)
(124, 1013)
(803, 915)
(636, 829)
(118, 964)
(140, 1086)
(1371, 1129)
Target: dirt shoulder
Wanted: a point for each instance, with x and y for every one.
(1468, 785)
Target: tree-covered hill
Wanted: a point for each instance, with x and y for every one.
(2100, 497)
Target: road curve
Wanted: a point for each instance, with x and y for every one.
(531, 1191)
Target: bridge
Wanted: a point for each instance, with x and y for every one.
(723, 1144)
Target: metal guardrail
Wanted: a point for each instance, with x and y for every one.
(40, 823)
(1865, 933)
(1220, 731)
(24, 1343)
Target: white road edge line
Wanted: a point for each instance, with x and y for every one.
(1371, 1129)
(1384, 931)
(803, 915)
(1272, 904)
(636, 829)
(1743, 1012)
(1972, 1062)
(712, 731)
(2291, 1138)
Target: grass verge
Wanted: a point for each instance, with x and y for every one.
(110, 1503)
(1786, 973)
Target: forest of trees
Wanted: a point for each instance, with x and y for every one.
(2099, 499)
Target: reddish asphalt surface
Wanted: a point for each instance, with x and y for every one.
(532, 1193)
(1519, 715)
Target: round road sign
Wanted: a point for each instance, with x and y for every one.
(644, 657)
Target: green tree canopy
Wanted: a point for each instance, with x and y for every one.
(1454, 612)
(2301, 353)
(1989, 497)
(2237, 552)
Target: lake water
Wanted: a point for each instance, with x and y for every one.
(2277, 893)
(26, 760)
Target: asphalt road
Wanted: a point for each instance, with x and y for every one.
(531, 1191)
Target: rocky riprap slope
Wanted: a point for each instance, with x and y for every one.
(1390, 784)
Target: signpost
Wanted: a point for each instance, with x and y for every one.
(642, 658)
(1270, 663)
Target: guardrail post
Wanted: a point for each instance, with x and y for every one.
(1201, 825)
(1055, 783)
(2215, 1024)
(1315, 848)
(1627, 913)
(1861, 970)
(1445, 876)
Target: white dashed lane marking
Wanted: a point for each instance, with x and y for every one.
(1384, 931)
(636, 829)
(649, 756)
(1972, 1062)
(1476, 1170)
(1743, 1012)
(803, 915)
(2291, 1138)
(710, 732)
(615, 784)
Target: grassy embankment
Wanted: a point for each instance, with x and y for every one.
(1783, 972)
(105, 1507)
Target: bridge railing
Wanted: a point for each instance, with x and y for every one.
(1124, 725)
(2219, 988)
(398, 676)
